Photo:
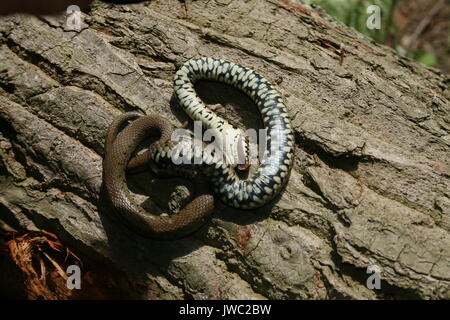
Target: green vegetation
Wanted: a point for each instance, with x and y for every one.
(354, 14)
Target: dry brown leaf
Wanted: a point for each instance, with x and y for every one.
(58, 268)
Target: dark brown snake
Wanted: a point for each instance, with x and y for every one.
(263, 185)
(119, 146)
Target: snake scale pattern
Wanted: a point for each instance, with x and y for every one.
(253, 192)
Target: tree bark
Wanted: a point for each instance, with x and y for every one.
(370, 185)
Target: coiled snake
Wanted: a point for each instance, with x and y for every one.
(261, 187)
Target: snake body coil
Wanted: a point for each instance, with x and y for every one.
(276, 164)
(119, 146)
(260, 188)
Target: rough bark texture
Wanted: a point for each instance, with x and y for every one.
(370, 184)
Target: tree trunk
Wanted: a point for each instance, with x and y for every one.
(370, 186)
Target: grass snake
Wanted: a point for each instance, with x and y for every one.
(255, 191)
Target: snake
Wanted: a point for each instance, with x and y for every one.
(258, 189)
(119, 147)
